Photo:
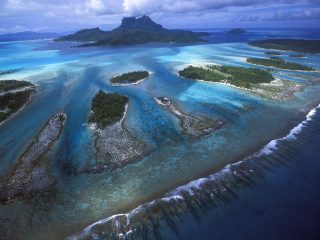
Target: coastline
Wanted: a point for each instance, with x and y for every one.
(115, 146)
(256, 90)
(285, 69)
(173, 196)
(20, 110)
(129, 84)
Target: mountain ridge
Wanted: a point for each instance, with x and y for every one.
(133, 31)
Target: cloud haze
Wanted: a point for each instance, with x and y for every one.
(62, 15)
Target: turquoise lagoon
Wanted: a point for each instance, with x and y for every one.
(67, 78)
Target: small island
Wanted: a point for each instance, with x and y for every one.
(133, 31)
(279, 63)
(272, 53)
(236, 31)
(13, 96)
(107, 108)
(115, 145)
(298, 45)
(130, 77)
(237, 76)
(193, 126)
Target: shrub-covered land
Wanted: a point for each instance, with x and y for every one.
(238, 76)
(6, 85)
(298, 45)
(12, 102)
(130, 77)
(107, 108)
(278, 63)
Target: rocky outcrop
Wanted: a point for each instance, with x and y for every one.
(31, 175)
(193, 126)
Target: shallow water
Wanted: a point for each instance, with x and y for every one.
(67, 79)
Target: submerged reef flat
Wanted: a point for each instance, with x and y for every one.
(115, 145)
(279, 63)
(193, 126)
(298, 45)
(14, 95)
(130, 78)
(279, 89)
(31, 175)
(198, 196)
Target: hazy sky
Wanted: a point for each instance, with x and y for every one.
(66, 15)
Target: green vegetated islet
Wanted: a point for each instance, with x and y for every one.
(130, 77)
(107, 108)
(278, 63)
(12, 102)
(298, 45)
(237, 76)
(6, 85)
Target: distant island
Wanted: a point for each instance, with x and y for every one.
(272, 53)
(236, 31)
(133, 31)
(298, 56)
(130, 77)
(13, 96)
(279, 63)
(298, 45)
(25, 36)
(237, 76)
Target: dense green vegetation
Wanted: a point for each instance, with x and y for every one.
(6, 85)
(130, 77)
(107, 108)
(273, 53)
(12, 102)
(133, 31)
(238, 76)
(299, 45)
(278, 63)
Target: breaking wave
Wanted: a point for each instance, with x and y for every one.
(145, 220)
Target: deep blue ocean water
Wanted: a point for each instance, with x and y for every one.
(67, 78)
(284, 205)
